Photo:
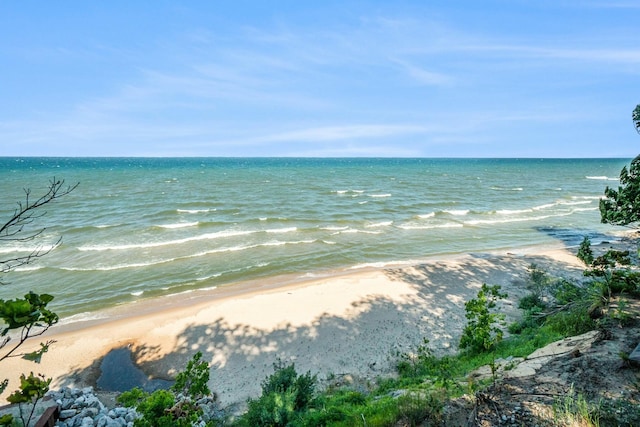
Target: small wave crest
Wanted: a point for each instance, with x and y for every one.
(195, 211)
(179, 225)
(602, 178)
(147, 245)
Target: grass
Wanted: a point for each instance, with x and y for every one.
(425, 382)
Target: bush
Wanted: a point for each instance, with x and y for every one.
(483, 327)
(285, 397)
(585, 254)
(175, 407)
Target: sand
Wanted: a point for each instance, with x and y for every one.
(353, 322)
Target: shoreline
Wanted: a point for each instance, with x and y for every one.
(155, 304)
(352, 322)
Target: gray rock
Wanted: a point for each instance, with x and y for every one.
(67, 413)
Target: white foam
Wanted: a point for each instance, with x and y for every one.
(333, 228)
(429, 227)
(179, 225)
(208, 236)
(196, 211)
(513, 211)
(356, 231)
(379, 196)
(459, 212)
(282, 230)
(602, 178)
(379, 224)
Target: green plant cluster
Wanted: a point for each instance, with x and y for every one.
(292, 400)
(483, 330)
(176, 407)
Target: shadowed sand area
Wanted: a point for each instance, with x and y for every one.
(353, 322)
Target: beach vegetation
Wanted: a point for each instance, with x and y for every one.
(483, 330)
(177, 406)
(585, 254)
(32, 389)
(286, 396)
(621, 206)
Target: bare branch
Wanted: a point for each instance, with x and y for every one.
(27, 212)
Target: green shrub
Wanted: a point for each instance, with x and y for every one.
(531, 302)
(570, 322)
(174, 407)
(585, 254)
(483, 331)
(284, 399)
(565, 292)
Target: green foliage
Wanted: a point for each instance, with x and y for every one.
(585, 254)
(26, 313)
(566, 292)
(622, 206)
(6, 420)
(574, 409)
(285, 397)
(193, 380)
(32, 389)
(571, 322)
(538, 280)
(175, 407)
(156, 411)
(483, 331)
(531, 303)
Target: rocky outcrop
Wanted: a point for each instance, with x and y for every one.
(82, 408)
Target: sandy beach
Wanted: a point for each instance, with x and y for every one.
(354, 322)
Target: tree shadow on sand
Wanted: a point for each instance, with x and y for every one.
(363, 342)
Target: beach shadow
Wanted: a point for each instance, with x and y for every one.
(364, 341)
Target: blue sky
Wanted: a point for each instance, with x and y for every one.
(510, 78)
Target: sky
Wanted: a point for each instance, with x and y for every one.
(491, 78)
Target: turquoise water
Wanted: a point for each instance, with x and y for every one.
(140, 228)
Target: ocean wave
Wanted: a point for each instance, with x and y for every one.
(459, 212)
(179, 225)
(426, 216)
(208, 236)
(195, 211)
(525, 219)
(430, 226)
(379, 224)
(281, 230)
(83, 317)
(380, 196)
(602, 178)
(506, 188)
(334, 228)
(28, 268)
(562, 203)
(513, 211)
(121, 266)
(355, 231)
(587, 197)
(27, 249)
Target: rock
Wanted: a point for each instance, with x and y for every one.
(67, 413)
